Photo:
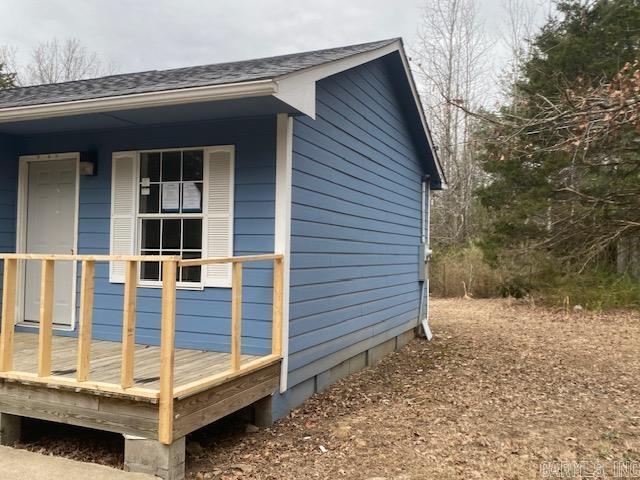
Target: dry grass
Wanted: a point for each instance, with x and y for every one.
(461, 271)
(502, 388)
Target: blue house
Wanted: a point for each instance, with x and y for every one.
(180, 244)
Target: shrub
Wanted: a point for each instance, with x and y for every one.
(457, 269)
(594, 290)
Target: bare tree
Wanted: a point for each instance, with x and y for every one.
(61, 61)
(452, 66)
(53, 62)
(520, 20)
(517, 28)
(8, 55)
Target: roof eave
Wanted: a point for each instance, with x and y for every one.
(423, 119)
(297, 89)
(226, 91)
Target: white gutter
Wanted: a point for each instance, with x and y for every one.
(140, 100)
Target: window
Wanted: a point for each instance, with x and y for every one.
(170, 210)
(175, 201)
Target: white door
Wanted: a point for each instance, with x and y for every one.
(51, 211)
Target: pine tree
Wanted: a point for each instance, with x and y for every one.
(564, 160)
(7, 80)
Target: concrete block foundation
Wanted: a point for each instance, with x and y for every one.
(262, 412)
(375, 354)
(296, 395)
(10, 429)
(154, 458)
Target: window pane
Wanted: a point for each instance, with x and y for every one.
(192, 197)
(150, 199)
(192, 234)
(171, 166)
(150, 166)
(170, 235)
(192, 165)
(149, 270)
(171, 197)
(150, 235)
(191, 274)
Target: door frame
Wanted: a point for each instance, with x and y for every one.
(21, 233)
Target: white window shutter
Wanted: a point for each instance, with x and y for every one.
(218, 229)
(123, 210)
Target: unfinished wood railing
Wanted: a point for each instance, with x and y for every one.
(168, 390)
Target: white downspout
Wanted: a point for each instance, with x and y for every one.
(423, 316)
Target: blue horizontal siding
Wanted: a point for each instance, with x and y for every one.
(355, 218)
(8, 199)
(202, 316)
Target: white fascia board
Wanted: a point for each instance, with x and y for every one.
(140, 100)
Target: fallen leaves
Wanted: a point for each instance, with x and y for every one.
(502, 388)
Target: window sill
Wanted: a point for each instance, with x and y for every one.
(179, 286)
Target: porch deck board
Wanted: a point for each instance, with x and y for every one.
(106, 357)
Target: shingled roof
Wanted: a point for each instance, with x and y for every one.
(161, 80)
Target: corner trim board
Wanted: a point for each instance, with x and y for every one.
(282, 241)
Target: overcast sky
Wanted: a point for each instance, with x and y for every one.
(144, 35)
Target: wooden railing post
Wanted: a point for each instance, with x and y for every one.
(86, 319)
(167, 351)
(129, 324)
(276, 330)
(8, 314)
(236, 315)
(46, 319)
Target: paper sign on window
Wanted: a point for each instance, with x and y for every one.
(171, 197)
(191, 196)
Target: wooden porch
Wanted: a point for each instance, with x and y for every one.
(155, 392)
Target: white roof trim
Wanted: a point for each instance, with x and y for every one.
(225, 91)
(298, 88)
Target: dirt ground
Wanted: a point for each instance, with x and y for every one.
(503, 390)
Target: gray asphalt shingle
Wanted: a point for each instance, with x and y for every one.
(198, 76)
